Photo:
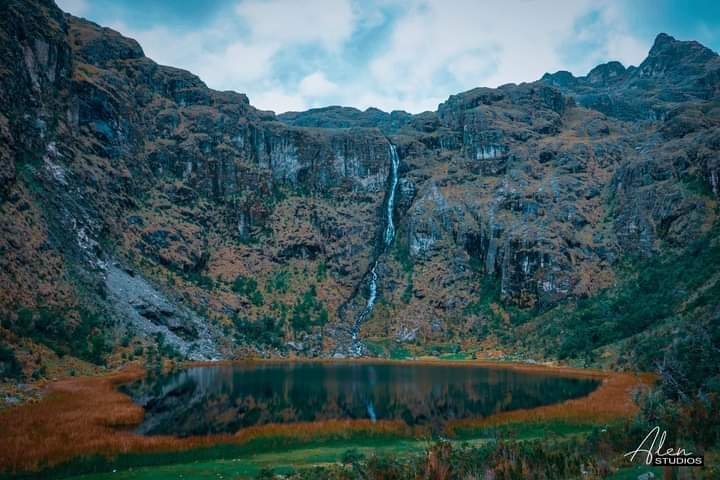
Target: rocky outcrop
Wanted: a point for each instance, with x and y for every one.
(347, 117)
(152, 314)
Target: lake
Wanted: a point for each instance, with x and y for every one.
(226, 398)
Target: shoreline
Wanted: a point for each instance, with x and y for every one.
(89, 416)
(548, 368)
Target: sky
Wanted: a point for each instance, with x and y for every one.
(292, 55)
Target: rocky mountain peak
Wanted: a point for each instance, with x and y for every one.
(607, 73)
(347, 117)
(669, 55)
(561, 78)
(661, 40)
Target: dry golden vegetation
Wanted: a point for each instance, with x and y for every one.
(82, 416)
(87, 416)
(612, 400)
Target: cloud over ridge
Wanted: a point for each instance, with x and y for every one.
(390, 54)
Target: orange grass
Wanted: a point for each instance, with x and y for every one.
(86, 416)
(83, 416)
(612, 400)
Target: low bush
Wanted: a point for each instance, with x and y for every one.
(10, 367)
(247, 287)
(65, 332)
(309, 311)
(266, 330)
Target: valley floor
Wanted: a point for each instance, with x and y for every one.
(83, 424)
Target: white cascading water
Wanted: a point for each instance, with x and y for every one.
(390, 228)
(388, 237)
(371, 412)
(373, 293)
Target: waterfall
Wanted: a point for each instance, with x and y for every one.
(390, 226)
(371, 412)
(388, 237)
(373, 289)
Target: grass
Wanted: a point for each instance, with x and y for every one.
(229, 459)
(400, 353)
(391, 349)
(84, 424)
(524, 430)
(611, 401)
(456, 356)
(87, 417)
(200, 470)
(248, 464)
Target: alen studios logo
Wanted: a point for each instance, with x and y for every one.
(653, 447)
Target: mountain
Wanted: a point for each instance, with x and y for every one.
(673, 75)
(144, 214)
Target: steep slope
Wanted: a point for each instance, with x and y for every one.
(141, 165)
(142, 211)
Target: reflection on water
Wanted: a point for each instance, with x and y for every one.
(226, 398)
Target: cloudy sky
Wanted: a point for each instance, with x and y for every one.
(392, 54)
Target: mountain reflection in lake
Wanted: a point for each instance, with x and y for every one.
(226, 398)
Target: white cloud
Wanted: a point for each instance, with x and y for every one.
(468, 66)
(627, 49)
(435, 48)
(283, 22)
(227, 58)
(619, 42)
(460, 44)
(611, 38)
(76, 7)
(279, 101)
(237, 64)
(317, 85)
(478, 43)
(228, 67)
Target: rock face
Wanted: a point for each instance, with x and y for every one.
(673, 74)
(255, 231)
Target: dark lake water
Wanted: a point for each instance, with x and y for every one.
(226, 398)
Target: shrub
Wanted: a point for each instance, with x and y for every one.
(321, 273)
(64, 335)
(408, 291)
(265, 473)
(401, 250)
(200, 280)
(244, 285)
(10, 367)
(267, 330)
(352, 456)
(247, 287)
(309, 311)
(279, 282)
